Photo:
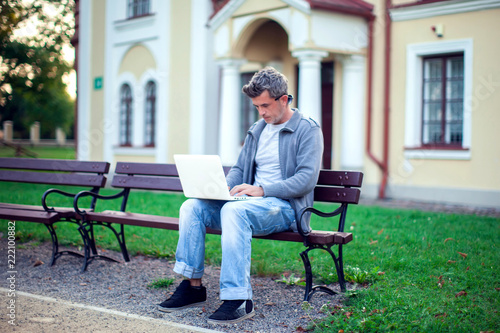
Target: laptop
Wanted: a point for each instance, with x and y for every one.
(202, 177)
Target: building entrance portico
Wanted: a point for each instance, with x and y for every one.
(294, 38)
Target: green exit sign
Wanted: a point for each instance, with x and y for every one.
(98, 83)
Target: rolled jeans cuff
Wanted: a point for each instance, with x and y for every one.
(236, 293)
(187, 271)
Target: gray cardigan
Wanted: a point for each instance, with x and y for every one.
(300, 152)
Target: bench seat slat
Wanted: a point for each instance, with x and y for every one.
(29, 215)
(52, 178)
(54, 165)
(64, 212)
(171, 223)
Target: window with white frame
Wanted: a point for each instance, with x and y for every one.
(126, 116)
(150, 114)
(137, 8)
(438, 120)
(442, 101)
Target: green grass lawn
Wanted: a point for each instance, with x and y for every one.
(421, 271)
(425, 272)
(42, 152)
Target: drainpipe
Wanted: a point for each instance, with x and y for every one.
(382, 164)
(387, 86)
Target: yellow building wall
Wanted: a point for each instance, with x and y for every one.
(96, 120)
(137, 61)
(133, 158)
(256, 6)
(481, 171)
(372, 174)
(179, 79)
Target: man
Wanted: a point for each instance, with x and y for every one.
(280, 162)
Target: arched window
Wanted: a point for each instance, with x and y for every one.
(126, 116)
(149, 130)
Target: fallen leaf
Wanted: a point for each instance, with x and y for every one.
(451, 261)
(448, 239)
(381, 273)
(373, 242)
(38, 263)
(462, 293)
(468, 268)
(348, 314)
(441, 315)
(497, 289)
(464, 255)
(341, 331)
(380, 232)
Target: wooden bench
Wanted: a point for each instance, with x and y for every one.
(333, 186)
(78, 174)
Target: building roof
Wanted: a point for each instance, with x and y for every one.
(417, 3)
(352, 7)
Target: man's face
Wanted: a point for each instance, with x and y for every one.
(273, 111)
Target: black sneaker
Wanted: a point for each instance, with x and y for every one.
(184, 296)
(231, 312)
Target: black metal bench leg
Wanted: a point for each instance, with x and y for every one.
(86, 246)
(123, 245)
(92, 239)
(307, 267)
(55, 244)
(310, 289)
(340, 270)
(120, 237)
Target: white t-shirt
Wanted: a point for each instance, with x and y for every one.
(267, 161)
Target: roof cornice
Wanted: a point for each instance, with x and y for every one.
(229, 8)
(418, 11)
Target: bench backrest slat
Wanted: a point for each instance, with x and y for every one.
(336, 194)
(147, 183)
(333, 186)
(52, 178)
(53, 165)
(150, 169)
(147, 169)
(340, 178)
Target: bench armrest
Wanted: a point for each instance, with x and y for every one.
(301, 226)
(94, 195)
(53, 190)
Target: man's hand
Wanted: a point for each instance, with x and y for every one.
(250, 190)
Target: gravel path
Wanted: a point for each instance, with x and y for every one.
(123, 287)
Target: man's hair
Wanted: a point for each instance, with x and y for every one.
(266, 79)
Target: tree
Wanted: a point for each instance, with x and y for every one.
(32, 66)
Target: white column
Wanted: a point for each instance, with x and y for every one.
(310, 82)
(229, 119)
(353, 106)
(8, 131)
(35, 133)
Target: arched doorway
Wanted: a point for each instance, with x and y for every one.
(265, 42)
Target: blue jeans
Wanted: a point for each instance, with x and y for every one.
(238, 220)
